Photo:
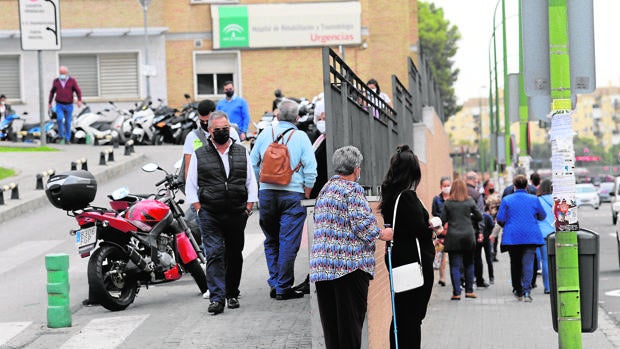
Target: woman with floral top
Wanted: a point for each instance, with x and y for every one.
(342, 258)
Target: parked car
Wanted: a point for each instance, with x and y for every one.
(618, 241)
(586, 195)
(604, 191)
(615, 201)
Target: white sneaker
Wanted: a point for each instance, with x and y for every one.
(206, 295)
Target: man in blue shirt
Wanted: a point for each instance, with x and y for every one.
(282, 216)
(236, 108)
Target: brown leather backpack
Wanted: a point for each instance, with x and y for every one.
(276, 167)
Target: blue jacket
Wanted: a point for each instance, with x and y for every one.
(299, 149)
(519, 214)
(547, 226)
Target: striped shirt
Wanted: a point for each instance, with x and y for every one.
(345, 230)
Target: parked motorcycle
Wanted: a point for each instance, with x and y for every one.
(103, 126)
(142, 131)
(9, 127)
(139, 241)
(188, 117)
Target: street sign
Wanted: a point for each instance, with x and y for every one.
(39, 22)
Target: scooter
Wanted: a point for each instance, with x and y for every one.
(142, 131)
(102, 127)
(189, 118)
(9, 127)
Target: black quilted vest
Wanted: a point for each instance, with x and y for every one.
(216, 192)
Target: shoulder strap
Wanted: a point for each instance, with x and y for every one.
(201, 135)
(281, 135)
(394, 228)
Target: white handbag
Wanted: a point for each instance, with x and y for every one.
(409, 276)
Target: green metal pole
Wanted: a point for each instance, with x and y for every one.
(566, 244)
(523, 111)
(506, 89)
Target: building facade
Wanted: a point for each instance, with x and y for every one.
(103, 44)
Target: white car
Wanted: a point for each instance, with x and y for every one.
(587, 195)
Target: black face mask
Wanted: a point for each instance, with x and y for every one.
(492, 190)
(204, 126)
(229, 93)
(221, 136)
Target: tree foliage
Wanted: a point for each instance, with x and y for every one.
(438, 42)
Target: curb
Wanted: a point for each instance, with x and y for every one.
(36, 199)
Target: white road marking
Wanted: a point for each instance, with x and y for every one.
(9, 330)
(105, 333)
(252, 242)
(614, 293)
(25, 251)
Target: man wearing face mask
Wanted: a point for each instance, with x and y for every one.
(222, 188)
(320, 149)
(63, 88)
(236, 108)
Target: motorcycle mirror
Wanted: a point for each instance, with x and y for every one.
(111, 102)
(150, 167)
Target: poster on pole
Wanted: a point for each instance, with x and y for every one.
(563, 169)
(39, 24)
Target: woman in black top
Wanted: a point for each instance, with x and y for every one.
(412, 221)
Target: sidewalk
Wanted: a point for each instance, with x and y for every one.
(497, 320)
(29, 164)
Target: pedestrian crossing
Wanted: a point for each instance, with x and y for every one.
(9, 330)
(105, 333)
(21, 253)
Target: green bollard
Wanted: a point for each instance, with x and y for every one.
(58, 309)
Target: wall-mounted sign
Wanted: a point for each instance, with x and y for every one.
(286, 25)
(39, 22)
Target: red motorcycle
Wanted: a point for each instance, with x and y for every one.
(142, 240)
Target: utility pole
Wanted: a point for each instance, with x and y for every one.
(566, 244)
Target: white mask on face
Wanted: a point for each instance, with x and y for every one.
(320, 125)
(446, 190)
(374, 90)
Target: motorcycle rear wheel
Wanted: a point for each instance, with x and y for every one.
(106, 279)
(198, 274)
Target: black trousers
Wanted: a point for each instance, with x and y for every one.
(478, 264)
(516, 257)
(342, 306)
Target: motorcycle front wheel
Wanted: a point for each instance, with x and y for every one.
(107, 279)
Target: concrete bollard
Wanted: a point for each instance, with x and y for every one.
(58, 306)
(110, 154)
(102, 158)
(39, 177)
(128, 147)
(14, 191)
(115, 142)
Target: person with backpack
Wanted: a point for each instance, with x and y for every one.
(222, 189)
(284, 162)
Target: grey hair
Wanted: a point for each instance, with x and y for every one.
(218, 114)
(346, 159)
(288, 110)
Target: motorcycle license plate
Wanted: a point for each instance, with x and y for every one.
(86, 237)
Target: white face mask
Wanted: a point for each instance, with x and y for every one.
(320, 125)
(446, 190)
(374, 90)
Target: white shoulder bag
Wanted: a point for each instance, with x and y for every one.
(409, 276)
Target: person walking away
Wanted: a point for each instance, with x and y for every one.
(471, 179)
(461, 213)
(488, 223)
(222, 188)
(412, 222)
(236, 108)
(441, 255)
(545, 191)
(342, 255)
(63, 88)
(282, 216)
(519, 214)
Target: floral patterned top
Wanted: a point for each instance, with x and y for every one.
(345, 230)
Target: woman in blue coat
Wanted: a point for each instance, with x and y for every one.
(519, 214)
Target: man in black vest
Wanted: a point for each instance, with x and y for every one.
(222, 188)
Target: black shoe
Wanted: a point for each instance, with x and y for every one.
(216, 308)
(290, 294)
(442, 283)
(272, 292)
(492, 281)
(482, 284)
(495, 259)
(303, 287)
(233, 303)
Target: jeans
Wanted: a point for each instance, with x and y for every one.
(478, 265)
(282, 220)
(223, 239)
(545, 265)
(521, 267)
(64, 115)
(458, 260)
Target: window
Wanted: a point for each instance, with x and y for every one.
(105, 75)
(10, 82)
(212, 70)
